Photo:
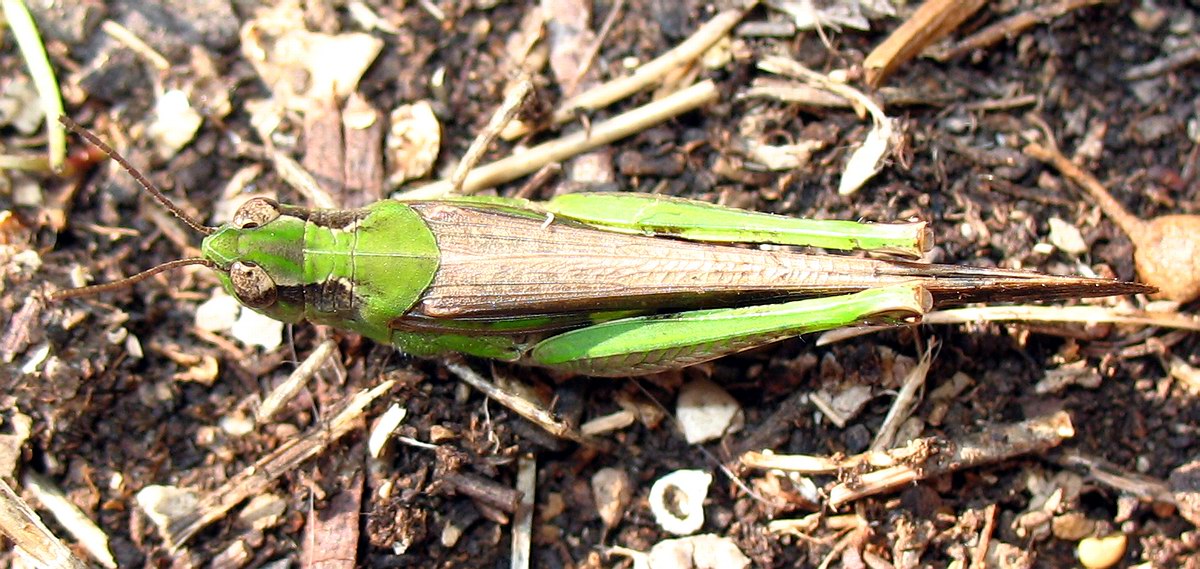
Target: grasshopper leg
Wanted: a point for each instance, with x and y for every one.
(702, 221)
(650, 344)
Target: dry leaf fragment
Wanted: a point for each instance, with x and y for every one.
(853, 14)
(175, 123)
(705, 551)
(413, 142)
(262, 512)
(205, 372)
(301, 66)
(867, 159)
(783, 156)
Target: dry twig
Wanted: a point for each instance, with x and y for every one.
(30, 537)
(514, 98)
(521, 406)
(89, 535)
(214, 505)
(1166, 249)
(1012, 27)
(522, 538)
(931, 22)
(284, 392)
(645, 76)
(905, 403)
(923, 458)
(618, 127)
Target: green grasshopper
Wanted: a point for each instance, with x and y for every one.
(601, 284)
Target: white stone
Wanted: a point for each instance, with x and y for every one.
(254, 329)
(217, 314)
(165, 504)
(704, 551)
(706, 411)
(175, 123)
(1067, 237)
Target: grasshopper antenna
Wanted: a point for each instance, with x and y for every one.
(127, 281)
(137, 176)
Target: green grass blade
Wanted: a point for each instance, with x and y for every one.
(29, 41)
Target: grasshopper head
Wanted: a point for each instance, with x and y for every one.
(259, 259)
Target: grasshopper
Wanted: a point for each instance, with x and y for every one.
(600, 284)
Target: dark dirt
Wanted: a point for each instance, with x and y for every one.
(108, 422)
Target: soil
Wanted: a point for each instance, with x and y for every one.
(126, 392)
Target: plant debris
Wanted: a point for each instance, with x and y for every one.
(166, 427)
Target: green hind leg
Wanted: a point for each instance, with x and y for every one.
(650, 344)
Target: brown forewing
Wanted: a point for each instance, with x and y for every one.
(497, 263)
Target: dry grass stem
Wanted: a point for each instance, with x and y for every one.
(1066, 314)
(866, 160)
(533, 159)
(522, 538)
(284, 392)
(1176, 60)
(1141, 486)
(589, 57)
(645, 76)
(530, 410)
(130, 40)
(33, 51)
(905, 403)
(85, 531)
(922, 458)
(513, 100)
(299, 179)
(995, 444)
(254, 480)
(30, 537)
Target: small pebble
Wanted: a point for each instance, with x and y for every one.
(1154, 128)
(217, 314)
(1067, 237)
(254, 329)
(166, 504)
(1072, 526)
(612, 491)
(706, 412)
(237, 424)
(1101, 552)
(1148, 17)
(440, 434)
(1185, 486)
(262, 512)
(706, 551)
(175, 123)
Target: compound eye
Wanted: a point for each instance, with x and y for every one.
(256, 212)
(252, 285)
